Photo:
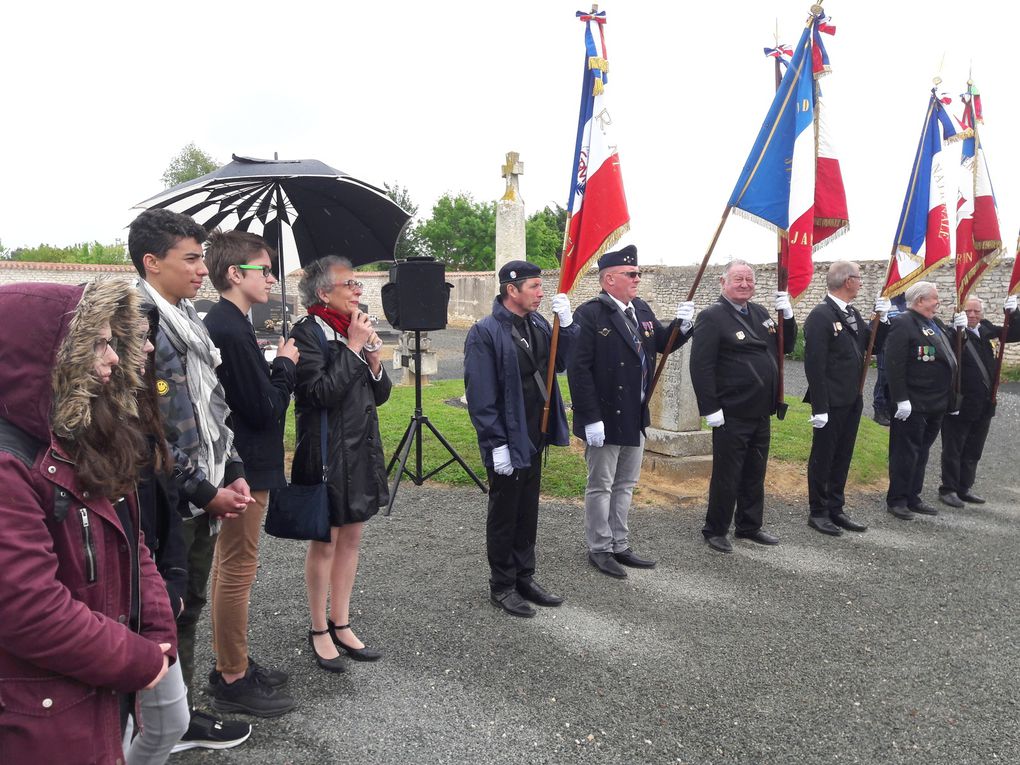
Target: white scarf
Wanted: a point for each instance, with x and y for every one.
(189, 336)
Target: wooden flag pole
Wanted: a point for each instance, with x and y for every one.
(671, 341)
(782, 284)
(550, 374)
(1006, 321)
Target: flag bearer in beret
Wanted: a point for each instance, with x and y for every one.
(506, 356)
(734, 369)
(609, 374)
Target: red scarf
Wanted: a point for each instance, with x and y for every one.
(338, 321)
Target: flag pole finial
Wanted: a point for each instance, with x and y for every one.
(816, 9)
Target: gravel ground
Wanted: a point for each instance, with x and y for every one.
(893, 646)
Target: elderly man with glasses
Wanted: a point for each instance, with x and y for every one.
(609, 374)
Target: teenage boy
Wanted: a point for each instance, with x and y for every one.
(166, 250)
(258, 394)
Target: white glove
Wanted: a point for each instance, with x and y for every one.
(595, 433)
(561, 307)
(716, 419)
(953, 414)
(685, 311)
(501, 460)
(1010, 304)
(882, 308)
(903, 410)
(819, 420)
(783, 304)
(960, 320)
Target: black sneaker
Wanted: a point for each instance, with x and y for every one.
(274, 678)
(206, 732)
(250, 695)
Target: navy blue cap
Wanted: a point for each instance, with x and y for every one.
(625, 257)
(518, 269)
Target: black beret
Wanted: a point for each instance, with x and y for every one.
(625, 257)
(518, 269)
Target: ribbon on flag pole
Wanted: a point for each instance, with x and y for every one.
(597, 214)
(978, 241)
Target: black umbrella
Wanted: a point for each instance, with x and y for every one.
(302, 206)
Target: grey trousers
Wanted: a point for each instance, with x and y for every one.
(165, 716)
(613, 472)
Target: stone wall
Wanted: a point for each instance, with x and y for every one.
(662, 286)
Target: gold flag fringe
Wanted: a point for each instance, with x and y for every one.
(903, 284)
(831, 237)
(607, 244)
(760, 221)
(968, 133)
(597, 62)
(598, 88)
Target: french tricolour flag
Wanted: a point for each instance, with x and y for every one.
(597, 205)
(978, 241)
(922, 238)
(792, 182)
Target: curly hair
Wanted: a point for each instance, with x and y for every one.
(317, 277)
(156, 231)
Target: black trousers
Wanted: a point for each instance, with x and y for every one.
(740, 453)
(512, 525)
(963, 441)
(909, 443)
(832, 448)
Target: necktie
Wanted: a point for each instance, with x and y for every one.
(851, 320)
(632, 319)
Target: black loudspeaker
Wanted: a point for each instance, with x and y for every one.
(417, 296)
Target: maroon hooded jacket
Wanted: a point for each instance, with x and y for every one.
(67, 653)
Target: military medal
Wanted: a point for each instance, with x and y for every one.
(740, 334)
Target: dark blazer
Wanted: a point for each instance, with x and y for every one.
(734, 360)
(604, 373)
(834, 355)
(979, 365)
(920, 364)
(257, 393)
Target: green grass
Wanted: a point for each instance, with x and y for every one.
(791, 442)
(564, 474)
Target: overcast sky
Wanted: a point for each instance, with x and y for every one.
(99, 97)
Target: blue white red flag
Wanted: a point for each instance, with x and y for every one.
(792, 181)
(597, 205)
(978, 241)
(922, 238)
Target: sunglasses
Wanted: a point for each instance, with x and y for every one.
(629, 274)
(267, 271)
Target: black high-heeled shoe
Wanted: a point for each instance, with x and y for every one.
(330, 665)
(358, 654)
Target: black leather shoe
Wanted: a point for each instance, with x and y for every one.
(336, 664)
(900, 512)
(824, 525)
(511, 602)
(533, 591)
(967, 496)
(719, 543)
(358, 654)
(950, 498)
(606, 563)
(629, 558)
(759, 536)
(844, 521)
(923, 508)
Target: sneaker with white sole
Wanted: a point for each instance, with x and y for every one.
(206, 732)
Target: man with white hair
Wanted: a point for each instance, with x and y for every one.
(920, 365)
(963, 436)
(835, 343)
(735, 373)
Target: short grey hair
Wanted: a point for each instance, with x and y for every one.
(918, 290)
(839, 272)
(736, 262)
(980, 302)
(317, 277)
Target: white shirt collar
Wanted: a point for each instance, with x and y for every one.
(623, 306)
(842, 304)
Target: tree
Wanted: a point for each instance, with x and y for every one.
(544, 232)
(461, 233)
(190, 163)
(409, 245)
(84, 252)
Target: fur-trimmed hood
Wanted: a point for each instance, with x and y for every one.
(46, 357)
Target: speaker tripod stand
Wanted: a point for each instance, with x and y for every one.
(413, 435)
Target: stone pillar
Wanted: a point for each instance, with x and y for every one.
(403, 358)
(510, 236)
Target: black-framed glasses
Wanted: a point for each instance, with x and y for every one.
(267, 271)
(629, 274)
(351, 284)
(100, 345)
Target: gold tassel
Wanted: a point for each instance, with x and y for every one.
(597, 62)
(598, 88)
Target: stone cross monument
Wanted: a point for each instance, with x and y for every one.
(510, 238)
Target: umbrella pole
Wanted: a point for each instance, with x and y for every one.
(280, 260)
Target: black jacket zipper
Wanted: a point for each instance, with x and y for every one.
(90, 550)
